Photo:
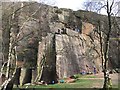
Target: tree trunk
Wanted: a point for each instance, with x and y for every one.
(8, 63)
(2, 75)
(106, 77)
(8, 84)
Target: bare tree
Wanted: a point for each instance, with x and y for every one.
(16, 34)
(104, 36)
(92, 5)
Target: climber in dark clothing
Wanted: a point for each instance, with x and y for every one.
(63, 31)
(58, 31)
(77, 29)
(94, 70)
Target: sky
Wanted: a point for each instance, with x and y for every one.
(71, 4)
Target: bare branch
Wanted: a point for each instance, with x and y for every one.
(111, 6)
(108, 7)
(20, 9)
(115, 13)
(105, 6)
(28, 20)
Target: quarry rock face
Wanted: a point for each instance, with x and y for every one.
(72, 54)
(47, 59)
(60, 42)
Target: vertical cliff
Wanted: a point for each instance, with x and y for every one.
(74, 55)
(47, 59)
(43, 46)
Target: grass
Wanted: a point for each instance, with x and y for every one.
(116, 85)
(84, 76)
(80, 83)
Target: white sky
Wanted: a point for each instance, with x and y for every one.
(72, 4)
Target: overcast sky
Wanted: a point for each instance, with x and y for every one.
(72, 4)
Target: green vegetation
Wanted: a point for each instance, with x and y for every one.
(80, 83)
(84, 76)
(116, 85)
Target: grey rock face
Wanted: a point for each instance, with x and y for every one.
(71, 55)
(67, 54)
